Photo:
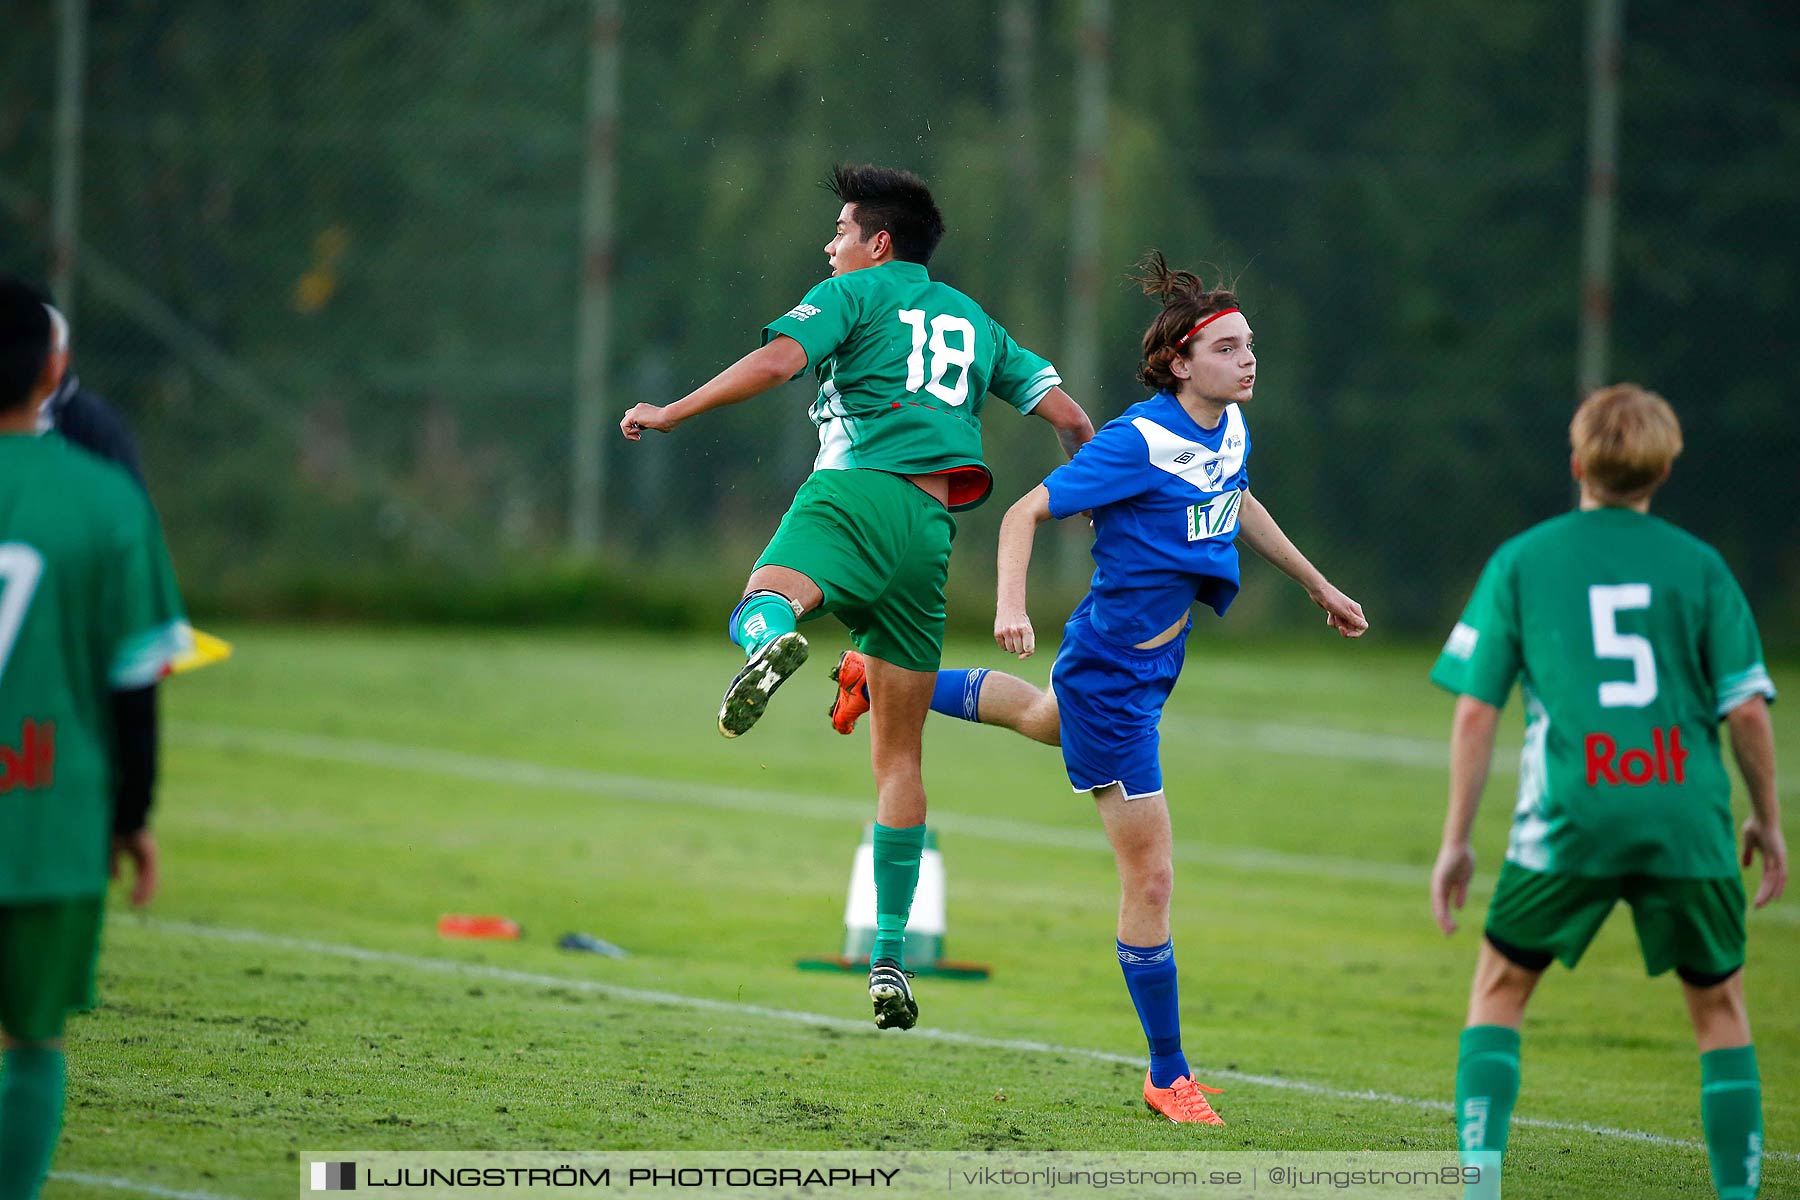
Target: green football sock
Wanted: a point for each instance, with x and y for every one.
(759, 619)
(1731, 1112)
(31, 1109)
(1487, 1087)
(897, 853)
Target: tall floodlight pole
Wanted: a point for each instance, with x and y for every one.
(1018, 56)
(1086, 211)
(65, 169)
(1080, 362)
(1605, 46)
(593, 330)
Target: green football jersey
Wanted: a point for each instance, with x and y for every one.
(88, 605)
(1630, 641)
(904, 365)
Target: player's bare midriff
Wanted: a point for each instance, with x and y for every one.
(1165, 637)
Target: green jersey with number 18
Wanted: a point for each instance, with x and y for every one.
(88, 605)
(1630, 641)
(904, 364)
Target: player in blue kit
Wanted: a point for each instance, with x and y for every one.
(1168, 485)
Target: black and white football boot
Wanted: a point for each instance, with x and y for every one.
(895, 1007)
(749, 693)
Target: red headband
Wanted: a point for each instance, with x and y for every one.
(1183, 339)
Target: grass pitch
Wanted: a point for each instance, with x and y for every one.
(329, 793)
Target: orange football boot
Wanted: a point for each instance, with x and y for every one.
(1183, 1102)
(850, 703)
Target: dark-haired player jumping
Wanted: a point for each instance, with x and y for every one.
(904, 365)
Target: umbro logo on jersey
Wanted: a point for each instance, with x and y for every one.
(32, 765)
(801, 312)
(1207, 470)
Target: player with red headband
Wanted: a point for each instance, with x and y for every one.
(1169, 489)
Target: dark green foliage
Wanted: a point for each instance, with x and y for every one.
(376, 209)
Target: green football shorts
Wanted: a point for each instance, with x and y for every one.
(1692, 925)
(879, 548)
(47, 955)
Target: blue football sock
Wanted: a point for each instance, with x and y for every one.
(759, 619)
(958, 693)
(1150, 978)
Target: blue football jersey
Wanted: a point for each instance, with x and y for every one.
(1165, 495)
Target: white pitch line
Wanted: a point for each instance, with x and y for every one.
(1318, 741)
(1349, 745)
(132, 1185)
(524, 773)
(855, 1028)
(447, 966)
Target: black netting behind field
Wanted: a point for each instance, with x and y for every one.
(332, 260)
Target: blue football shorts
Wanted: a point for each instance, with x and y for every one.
(1111, 701)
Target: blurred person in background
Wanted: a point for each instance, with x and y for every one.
(1631, 642)
(88, 610)
(82, 415)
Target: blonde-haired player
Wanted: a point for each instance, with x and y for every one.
(1631, 643)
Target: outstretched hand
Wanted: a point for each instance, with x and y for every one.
(645, 416)
(1767, 841)
(1014, 633)
(1341, 612)
(1450, 883)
